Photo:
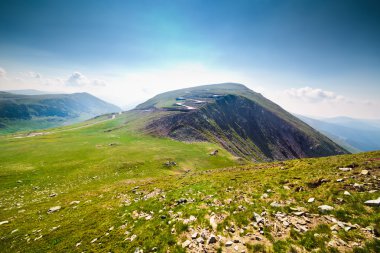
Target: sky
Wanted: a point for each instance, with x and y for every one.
(318, 58)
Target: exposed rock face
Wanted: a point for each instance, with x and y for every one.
(246, 129)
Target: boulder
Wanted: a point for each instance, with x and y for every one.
(54, 209)
(364, 172)
(194, 236)
(4, 222)
(212, 239)
(325, 208)
(186, 244)
(373, 202)
(213, 223)
(229, 243)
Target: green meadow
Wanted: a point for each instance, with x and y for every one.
(122, 191)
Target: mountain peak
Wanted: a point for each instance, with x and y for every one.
(237, 118)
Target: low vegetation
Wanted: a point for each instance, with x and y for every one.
(100, 186)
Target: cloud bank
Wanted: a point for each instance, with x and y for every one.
(77, 79)
(35, 75)
(315, 95)
(2, 72)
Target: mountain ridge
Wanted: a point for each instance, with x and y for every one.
(28, 112)
(355, 134)
(242, 121)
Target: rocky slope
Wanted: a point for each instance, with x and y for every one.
(242, 121)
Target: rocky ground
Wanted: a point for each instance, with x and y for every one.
(320, 205)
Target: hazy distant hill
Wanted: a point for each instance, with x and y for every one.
(239, 119)
(354, 134)
(28, 92)
(27, 112)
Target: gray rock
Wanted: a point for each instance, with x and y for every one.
(54, 209)
(258, 218)
(200, 240)
(229, 243)
(310, 200)
(373, 202)
(347, 193)
(364, 172)
(212, 239)
(275, 204)
(194, 236)
(213, 223)
(300, 213)
(133, 237)
(325, 208)
(345, 169)
(4, 222)
(181, 201)
(186, 244)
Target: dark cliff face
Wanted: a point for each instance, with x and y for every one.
(246, 129)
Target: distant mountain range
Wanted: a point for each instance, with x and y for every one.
(29, 92)
(242, 121)
(356, 135)
(27, 112)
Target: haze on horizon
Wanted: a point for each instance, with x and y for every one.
(317, 58)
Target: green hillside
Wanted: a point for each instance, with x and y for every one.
(28, 112)
(102, 186)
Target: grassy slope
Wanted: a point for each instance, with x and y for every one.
(79, 165)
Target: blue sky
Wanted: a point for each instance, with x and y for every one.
(318, 58)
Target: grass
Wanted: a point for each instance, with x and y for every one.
(115, 182)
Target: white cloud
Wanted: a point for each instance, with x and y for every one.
(77, 79)
(2, 72)
(315, 95)
(34, 74)
(98, 82)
